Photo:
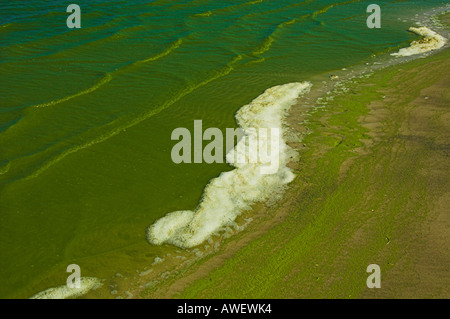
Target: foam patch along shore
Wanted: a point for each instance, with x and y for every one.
(64, 292)
(233, 192)
(430, 41)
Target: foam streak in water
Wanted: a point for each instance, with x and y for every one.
(64, 292)
(430, 41)
(233, 192)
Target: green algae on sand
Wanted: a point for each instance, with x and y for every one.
(370, 188)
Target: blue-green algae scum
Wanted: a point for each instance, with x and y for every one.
(86, 114)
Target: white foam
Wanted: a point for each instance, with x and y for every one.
(64, 292)
(430, 41)
(231, 193)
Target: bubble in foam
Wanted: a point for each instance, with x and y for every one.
(64, 292)
(430, 41)
(231, 193)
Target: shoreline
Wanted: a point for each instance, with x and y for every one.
(267, 220)
(261, 220)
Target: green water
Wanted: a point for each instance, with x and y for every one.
(86, 114)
